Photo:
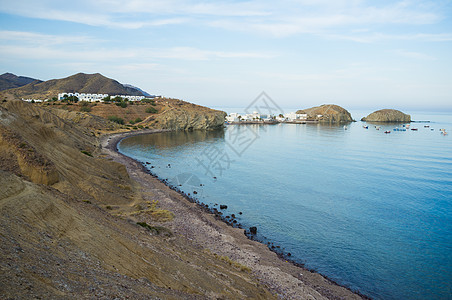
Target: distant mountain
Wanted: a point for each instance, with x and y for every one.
(146, 94)
(82, 83)
(11, 81)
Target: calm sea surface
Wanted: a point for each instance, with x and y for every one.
(370, 210)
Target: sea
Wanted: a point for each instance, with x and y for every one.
(370, 210)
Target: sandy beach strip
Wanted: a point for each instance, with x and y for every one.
(192, 221)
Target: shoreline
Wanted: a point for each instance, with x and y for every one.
(207, 228)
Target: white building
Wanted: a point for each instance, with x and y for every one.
(292, 116)
(255, 116)
(233, 117)
(130, 98)
(84, 96)
(98, 97)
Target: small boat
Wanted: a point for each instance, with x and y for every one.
(399, 129)
(414, 129)
(377, 127)
(426, 126)
(345, 127)
(366, 127)
(387, 131)
(407, 126)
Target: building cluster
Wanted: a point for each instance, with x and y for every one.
(97, 97)
(256, 117)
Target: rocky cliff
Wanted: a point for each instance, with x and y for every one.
(327, 113)
(387, 115)
(184, 119)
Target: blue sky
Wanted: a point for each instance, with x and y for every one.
(358, 54)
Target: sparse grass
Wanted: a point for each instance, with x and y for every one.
(158, 230)
(85, 109)
(234, 263)
(124, 187)
(87, 201)
(229, 261)
(157, 214)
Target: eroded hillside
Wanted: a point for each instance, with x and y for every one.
(58, 237)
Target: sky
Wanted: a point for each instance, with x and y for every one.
(355, 53)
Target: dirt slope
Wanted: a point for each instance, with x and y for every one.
(60, 240)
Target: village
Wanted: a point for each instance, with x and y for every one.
(88, 97)
(257, 118)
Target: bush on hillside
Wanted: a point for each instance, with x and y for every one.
(116, 119)
(151, 110)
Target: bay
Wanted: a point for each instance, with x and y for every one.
(370, 210)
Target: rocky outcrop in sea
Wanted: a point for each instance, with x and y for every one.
(327, 113)
(387, 115)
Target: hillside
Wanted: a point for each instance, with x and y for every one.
(82, 83)
(161, 113)
(327, 113)
(10, 81)
(58, 235)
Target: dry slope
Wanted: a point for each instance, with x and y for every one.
(56, 241)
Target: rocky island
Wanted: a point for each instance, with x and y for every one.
(327, 113)
(387, 115)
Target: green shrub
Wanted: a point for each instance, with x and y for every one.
(116, 119)
(123, 104)
(85, 109)
(86, 153)
(151, 110)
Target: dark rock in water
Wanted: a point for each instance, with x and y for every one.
(240, 212)
(195, 192)
(223, 206)
(387, 115)
(232, 216)
(253, 230)
(289, 254)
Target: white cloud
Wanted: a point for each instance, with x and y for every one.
(371, 37)
(284, 18)
(413, 54)
(30, 45)
(43, 39)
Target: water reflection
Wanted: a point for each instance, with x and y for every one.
(166, 140)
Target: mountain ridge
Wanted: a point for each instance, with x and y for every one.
(81, 82)
(10, 81)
